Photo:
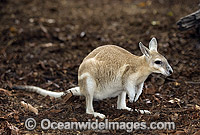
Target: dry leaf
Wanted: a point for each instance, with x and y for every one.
(29, 107)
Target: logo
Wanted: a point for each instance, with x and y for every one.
(30, 123)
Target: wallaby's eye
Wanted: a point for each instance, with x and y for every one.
(158, 62)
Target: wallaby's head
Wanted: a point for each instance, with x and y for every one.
(157, 62)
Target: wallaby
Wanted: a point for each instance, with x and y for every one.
(110, 71)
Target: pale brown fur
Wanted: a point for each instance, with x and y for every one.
(104, 63)
(110, 71)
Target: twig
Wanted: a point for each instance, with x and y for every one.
(191, 82)
(44, 30)
(8, 93)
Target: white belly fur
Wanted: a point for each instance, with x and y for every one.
(109, 90)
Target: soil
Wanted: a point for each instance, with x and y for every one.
(42, 43)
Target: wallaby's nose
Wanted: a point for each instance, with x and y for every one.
(170, 71)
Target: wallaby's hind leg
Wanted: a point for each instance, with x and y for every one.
(89, 91)
(121, 101)
(90, 109)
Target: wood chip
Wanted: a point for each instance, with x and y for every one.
(197, 107)
(67, 97)
(29, 107)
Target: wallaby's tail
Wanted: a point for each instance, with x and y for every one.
(75, 91)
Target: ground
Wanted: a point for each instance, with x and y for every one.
(42, 43)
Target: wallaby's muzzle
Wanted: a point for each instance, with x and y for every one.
(169, 70)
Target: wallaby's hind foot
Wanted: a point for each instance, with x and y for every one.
(96, 114)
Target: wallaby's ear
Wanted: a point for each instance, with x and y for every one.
(144, 50)
(153, 44)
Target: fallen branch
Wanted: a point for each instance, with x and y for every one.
(189, 21)
(29, 107)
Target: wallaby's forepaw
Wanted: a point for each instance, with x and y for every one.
(131, 100)
(96, 114)
(143, 111)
